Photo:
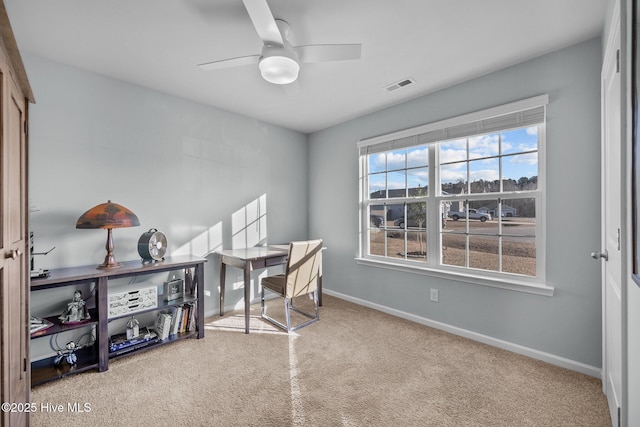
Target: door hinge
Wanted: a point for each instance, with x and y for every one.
(24, 364)
(26, 127)
(618, 61)
(618, 239)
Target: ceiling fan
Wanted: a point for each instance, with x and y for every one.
(279, 61)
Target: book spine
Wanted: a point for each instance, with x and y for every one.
(185, 318)
(177, 317)
(163, 325)
(192, 318)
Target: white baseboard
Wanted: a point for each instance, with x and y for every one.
(485, 339)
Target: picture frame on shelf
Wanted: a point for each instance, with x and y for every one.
(173, 290)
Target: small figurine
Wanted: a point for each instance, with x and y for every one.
(68, 354)
(76, 310)
(133, 328)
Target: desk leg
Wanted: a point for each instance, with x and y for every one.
(223, 275)
(247, 295)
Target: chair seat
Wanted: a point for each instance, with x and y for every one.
(275, 283)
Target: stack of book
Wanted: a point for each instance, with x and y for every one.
(177, 320)
(163, 325)
(39, 325)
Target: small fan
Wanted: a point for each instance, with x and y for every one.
(152, 246)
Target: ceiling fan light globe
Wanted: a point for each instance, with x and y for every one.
(280, 70)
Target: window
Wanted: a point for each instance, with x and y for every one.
(463, 196)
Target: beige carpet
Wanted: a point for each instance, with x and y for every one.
(356, 367)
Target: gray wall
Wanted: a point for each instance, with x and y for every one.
(566, 325)
(196, 173)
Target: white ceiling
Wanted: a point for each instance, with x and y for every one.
(158, 43)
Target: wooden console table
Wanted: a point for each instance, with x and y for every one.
(97, 356)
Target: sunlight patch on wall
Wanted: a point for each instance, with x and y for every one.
(249, 224)
(203, 244)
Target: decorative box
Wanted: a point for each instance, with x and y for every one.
(127, 299)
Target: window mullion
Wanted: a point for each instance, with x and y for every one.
(386, 176)
(384, 229)
(364, 206)
(406, 174)
(499, 210)
(406, 225)
(466, 227)
(468, 175)
(433, 209)
(500, 183)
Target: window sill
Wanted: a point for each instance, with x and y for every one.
(513, 285)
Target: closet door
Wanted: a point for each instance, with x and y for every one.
(14, 280)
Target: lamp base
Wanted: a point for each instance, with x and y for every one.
(109, 260)
(109, 266)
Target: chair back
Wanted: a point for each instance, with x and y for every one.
(303, 267)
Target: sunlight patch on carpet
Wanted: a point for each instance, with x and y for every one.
(235, 323)
(297, 410)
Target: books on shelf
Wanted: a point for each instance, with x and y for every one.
(187, 323)
(38, 325)
(177, 320)
(191, 327)
(163, 325)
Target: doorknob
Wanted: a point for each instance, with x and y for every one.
(13, 254)
(598, 255)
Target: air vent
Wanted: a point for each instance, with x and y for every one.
(402, 83)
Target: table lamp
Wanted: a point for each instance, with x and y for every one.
(108, 215)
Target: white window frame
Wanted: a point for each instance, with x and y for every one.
(477, 123)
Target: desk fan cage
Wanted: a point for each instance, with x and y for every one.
(152, 245)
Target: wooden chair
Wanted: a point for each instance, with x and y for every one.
(300, 278)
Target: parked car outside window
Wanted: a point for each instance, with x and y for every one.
(376, 220)
(399, 222)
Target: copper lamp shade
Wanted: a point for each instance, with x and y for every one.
(108, 215)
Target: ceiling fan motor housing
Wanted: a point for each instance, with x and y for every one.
(279, 64)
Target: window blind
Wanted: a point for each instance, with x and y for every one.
(528, 112)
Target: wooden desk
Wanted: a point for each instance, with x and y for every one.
(249, 259)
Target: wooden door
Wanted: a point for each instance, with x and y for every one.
(13, 259)
(14, 268)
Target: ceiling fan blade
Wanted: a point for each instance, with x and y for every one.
(328, 52)
(264, 22)
(232, 62)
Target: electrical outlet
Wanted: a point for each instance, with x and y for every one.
(433, 295)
